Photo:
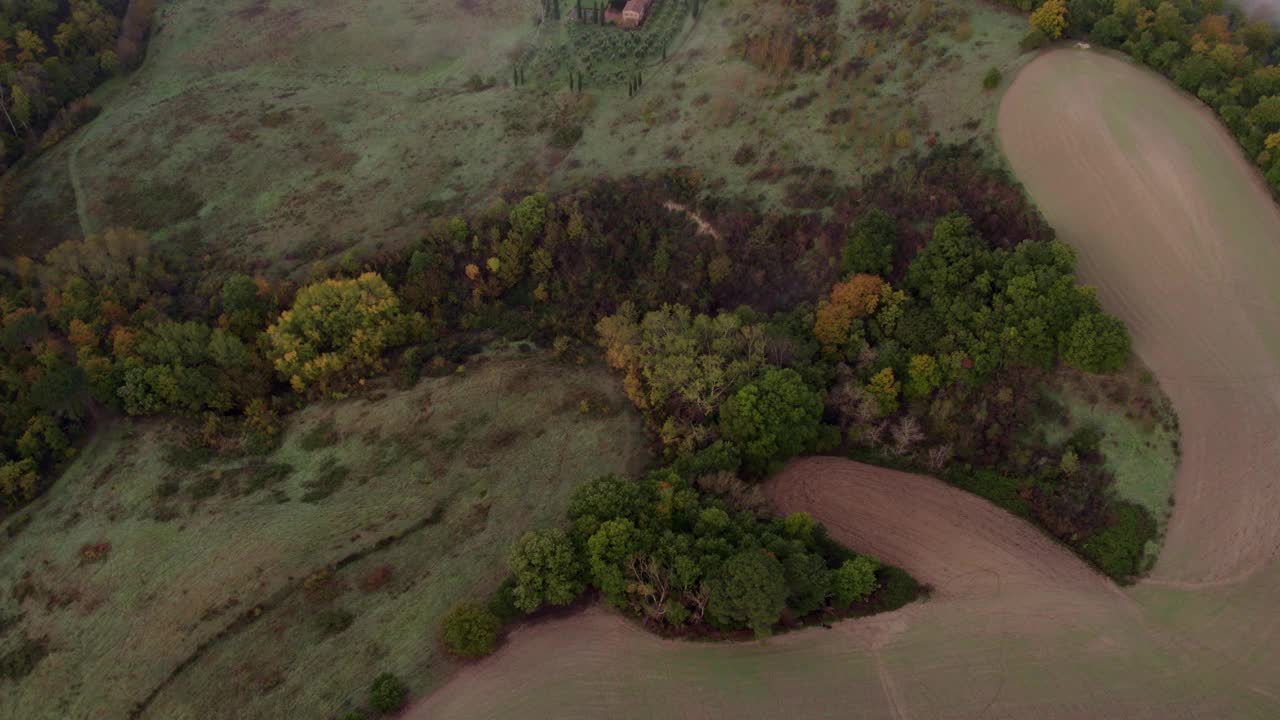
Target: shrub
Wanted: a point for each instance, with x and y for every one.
(94, 552)
(503, 602)
(992, 79)
(566, 137)
(377, 578)
(334, 621)
(325, 484)
(21, 660)
(388, 693)
(1033, 40)
(470, 630)
(854, 580)
(897, 589)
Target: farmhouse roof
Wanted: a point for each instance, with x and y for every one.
(639, 7)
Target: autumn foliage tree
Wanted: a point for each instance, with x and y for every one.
(336, 333)
(679, 366)
(1050, 18)
(849, 301)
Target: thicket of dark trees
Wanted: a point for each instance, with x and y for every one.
(52, 53)
(1210, 49)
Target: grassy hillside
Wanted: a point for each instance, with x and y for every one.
(280, 131)
(279, 586)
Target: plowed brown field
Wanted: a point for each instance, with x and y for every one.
(1174, 228)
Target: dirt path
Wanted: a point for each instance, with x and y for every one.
(1173, 226)
(704, 227)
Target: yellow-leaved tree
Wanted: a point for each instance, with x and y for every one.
(1051, 18)
(336, 332)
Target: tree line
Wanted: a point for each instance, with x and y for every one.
(776, 335)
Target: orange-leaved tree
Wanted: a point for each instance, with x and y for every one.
(850, 300)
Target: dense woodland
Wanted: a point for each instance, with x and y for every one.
(1210, 49)
(895, 328)
(52, 53)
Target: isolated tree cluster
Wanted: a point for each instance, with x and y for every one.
(680, 558)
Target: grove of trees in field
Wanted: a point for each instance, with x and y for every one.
(683, 559)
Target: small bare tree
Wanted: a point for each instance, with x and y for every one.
(738, 495)
(648, 586)
(938, 456)
(873, 434)
(906, 434)
(697, 599)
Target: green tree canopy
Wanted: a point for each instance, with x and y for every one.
(750, 588)
(1097, 343)
(545, 568)
(869, 248)
(772, 419)
(854, 580)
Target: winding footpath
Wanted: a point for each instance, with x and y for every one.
(1175, 229)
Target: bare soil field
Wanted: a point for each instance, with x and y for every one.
(280, 586)
(1017, 627)
(277, 132)
(1177, 232)
(1180, 238)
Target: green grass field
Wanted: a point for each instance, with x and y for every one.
(283, 131)
(1139, 437)
(275, 562)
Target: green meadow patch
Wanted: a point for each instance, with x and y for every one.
(280, 586)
